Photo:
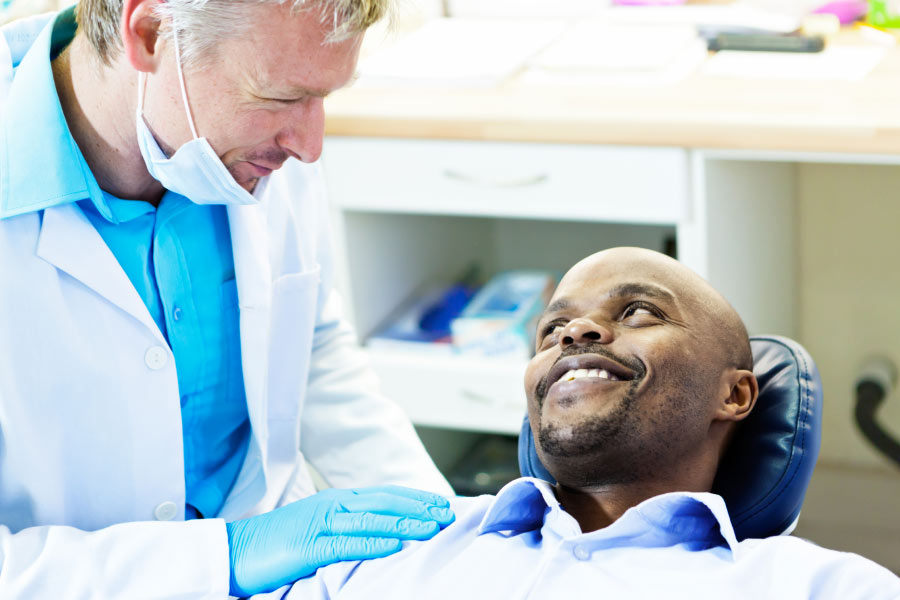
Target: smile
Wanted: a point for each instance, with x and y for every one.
(574, 374)
(589, 365)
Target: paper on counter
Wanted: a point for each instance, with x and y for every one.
(835, 63)
(459, 52)
(597, 45)
(599, 53)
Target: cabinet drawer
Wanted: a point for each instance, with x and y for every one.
(515, 180)
(454, 392)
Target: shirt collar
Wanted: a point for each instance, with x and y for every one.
(40, 163)
(688, 518)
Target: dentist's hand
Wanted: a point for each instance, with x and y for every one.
(279, 547)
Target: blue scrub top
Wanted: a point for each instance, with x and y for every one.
(178, 256)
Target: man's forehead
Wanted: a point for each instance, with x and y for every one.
(625, 272)
(289, 52)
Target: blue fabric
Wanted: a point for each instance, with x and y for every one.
(523, 544)
(178, 256)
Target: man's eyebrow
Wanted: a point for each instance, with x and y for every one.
(557, 305)
(301, 91)
(640, 289)
(624, 290)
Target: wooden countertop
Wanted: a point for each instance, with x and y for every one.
(697, 112)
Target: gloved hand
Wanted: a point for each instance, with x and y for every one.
(270, 550)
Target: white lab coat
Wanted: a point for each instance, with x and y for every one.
(90, 425)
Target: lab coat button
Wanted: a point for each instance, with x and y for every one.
(156, 357)
(582, 553)
(166, 511)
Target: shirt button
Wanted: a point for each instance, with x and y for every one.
(176, 314)
(156, 357)
(582, 553)
(166, 511)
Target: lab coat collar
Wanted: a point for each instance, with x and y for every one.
(70, 243)
(40, 164)
(697, 519)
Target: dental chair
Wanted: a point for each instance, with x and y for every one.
(764, 475)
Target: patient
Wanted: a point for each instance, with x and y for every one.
(641, 374)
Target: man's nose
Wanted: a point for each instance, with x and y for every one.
(585, 331)
(302, 136)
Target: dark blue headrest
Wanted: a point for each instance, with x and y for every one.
(764, 475)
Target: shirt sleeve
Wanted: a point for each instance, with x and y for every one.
(129, 561)
(324, 584)
(852, 577)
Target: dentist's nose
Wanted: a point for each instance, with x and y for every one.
(302, 137)
(585, 331)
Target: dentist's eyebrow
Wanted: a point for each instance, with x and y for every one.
(640, 289)
(299, 91)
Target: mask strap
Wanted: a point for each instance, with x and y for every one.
(142, 88)
(187, 108)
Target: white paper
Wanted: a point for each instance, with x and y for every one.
(460, 52)
(835, 63)
(594, 45)
(596, 53)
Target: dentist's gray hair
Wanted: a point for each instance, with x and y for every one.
(203, 24)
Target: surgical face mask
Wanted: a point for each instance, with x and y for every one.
(194, 171)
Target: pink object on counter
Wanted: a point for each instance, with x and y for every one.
(846, 11)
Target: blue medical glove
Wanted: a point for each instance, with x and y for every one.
(270, 550)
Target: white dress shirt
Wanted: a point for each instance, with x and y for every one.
(523, 544)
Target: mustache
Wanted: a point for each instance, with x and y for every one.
(269, 156)
(600, 349)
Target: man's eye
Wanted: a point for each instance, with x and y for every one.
(552, 326)
(638, 309)
(284, 100)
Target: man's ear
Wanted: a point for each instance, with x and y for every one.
(742, 392)
(139, 30)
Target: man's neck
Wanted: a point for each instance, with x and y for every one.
(596, 507)
(98, 103)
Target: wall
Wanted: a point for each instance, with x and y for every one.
(849, 309)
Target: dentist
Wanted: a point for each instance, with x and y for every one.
(171, 352)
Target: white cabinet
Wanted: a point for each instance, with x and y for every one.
(409, 213)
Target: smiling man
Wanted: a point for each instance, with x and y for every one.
(170, 345)
(642, 372)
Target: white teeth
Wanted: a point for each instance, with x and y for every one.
(574, 374)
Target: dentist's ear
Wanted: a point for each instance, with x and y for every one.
(139, 31)
(742, 392)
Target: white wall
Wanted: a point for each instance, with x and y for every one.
(849, 232)
(849, 286)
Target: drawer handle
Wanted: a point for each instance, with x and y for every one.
(512, 182)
